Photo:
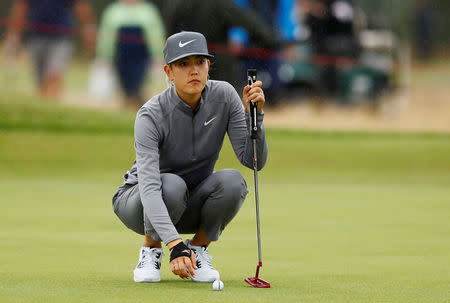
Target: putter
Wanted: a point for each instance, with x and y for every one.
(255, 281)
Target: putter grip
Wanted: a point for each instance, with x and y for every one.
(251, 76)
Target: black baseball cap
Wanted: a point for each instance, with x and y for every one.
(185, 44)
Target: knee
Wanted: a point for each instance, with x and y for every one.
(174, 192)
(233, 184)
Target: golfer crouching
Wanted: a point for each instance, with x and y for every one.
(172, 187)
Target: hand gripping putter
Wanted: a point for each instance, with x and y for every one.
(255, 281)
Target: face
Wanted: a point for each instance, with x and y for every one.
(189, 76)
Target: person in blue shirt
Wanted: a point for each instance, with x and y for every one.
(50, 32)
(131, 38)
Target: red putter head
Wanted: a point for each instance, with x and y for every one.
(257, 282)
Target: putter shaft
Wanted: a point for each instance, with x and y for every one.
(253, 107)
(258, 228)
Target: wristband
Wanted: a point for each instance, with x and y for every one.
(180, 250)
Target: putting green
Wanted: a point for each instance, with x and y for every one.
(346, 217)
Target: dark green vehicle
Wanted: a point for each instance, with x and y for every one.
(338, 59)
(355, 79)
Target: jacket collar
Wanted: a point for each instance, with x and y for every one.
(180, 104)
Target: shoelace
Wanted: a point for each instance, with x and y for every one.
(203, 255)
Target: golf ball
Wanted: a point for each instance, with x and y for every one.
(217, 285)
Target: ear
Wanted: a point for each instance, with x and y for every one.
(168, 71)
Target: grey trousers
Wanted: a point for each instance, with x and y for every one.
(210, 206)
(50, 56)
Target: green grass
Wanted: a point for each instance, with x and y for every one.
(346, 217)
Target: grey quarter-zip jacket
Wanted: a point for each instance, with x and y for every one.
(170, 138)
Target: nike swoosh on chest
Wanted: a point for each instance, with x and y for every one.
(209, 121)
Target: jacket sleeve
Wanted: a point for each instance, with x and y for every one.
(239, 133)
(107, 33)
(147, 140)
(154, 31)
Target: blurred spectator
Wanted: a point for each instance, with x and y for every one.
(237, 36)
(271, 11)
(424, 29)
(332, 35)
(165, 7)
(288, 20)
(331, 26)
(131, 37)
(214, 19)
(50, 29)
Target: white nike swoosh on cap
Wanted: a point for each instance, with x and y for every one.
(181, 44)
(207, 122)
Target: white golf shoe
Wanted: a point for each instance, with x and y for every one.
(148, 268)
(205, 272)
